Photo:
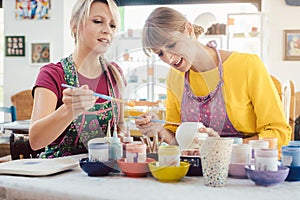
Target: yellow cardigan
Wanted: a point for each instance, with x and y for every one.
(252, 102)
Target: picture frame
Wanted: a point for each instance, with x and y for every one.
(40, 53)
(291, 45)
(32, 10)
(14, 45)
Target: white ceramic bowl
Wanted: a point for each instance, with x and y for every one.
(186, 133)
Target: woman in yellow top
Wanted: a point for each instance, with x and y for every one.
(231, 93)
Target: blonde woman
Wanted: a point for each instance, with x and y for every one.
(63, 120)
(231, 93)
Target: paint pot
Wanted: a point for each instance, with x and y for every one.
(136, 152)
(169, 155)
(98, 152)
(290, 156)
(266, 159)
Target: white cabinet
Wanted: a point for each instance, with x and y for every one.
(244, 33)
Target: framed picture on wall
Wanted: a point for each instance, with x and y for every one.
(33, 9)
(14, 45)
(291, 45)
(40, 53)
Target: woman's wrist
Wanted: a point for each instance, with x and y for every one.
(246, 140)
(168, 136)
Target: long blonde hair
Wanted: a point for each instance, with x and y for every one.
(81, 11)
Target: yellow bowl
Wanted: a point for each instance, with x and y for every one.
(169, 173)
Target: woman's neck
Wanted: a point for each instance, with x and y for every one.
(206, 60)
(87, 65)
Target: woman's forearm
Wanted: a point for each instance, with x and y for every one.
(45, 130)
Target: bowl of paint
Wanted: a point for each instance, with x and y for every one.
(96, 168)
(294, 173)
(169, 173)
(134, 169)
(267, 178)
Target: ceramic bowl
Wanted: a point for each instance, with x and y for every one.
(96, 168)
(267, 178)
(133, 169)
(294, 173)
(186, 133)
(169, 173)
(195, 165)
(237, 170)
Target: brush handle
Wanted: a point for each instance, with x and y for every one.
(103, 96)
(155, 120)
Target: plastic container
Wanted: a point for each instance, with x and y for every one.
(258, 144)
(266, 159)
(126, 140)
(294, 143)
(241, 153)
(116, 147)
(98, 152)
(290, 156)
(136, 152)
(273, 142)
(169, 155)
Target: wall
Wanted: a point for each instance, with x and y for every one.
(19, 74)
(280, 17)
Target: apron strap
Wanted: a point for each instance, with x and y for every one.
(213, 44)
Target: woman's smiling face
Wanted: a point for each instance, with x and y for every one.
(178, 52)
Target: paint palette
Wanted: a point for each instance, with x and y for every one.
(38, 166)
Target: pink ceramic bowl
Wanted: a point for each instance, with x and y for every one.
(133, 169)
(237, 170)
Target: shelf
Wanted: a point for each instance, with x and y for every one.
(244, 33)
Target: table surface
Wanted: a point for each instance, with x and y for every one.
(75, 184)
(22, 125)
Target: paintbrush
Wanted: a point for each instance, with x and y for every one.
(155, 120)
(102, 96)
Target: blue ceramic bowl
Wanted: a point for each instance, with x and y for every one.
(267, 178)
(96, 168)
(294, 174)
